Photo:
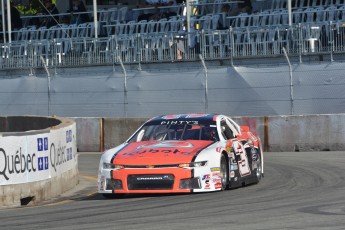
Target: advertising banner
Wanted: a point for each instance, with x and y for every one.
(30, 158)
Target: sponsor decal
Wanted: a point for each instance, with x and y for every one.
(150, 178)
(207, 184)
(206, 177)
(182, 148)
(216, 180)
(214, 169)
(17, 164)
(142, 151)
(178, 122)
(177, 116)
(232, 174)
(164, 149)
(216, 174)
(146, 178)
(242, 163)
(233, 166)
(218, 185)
(197, 115)
(168, 144)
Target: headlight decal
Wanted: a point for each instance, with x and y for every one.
(112, 166)
(193, 164)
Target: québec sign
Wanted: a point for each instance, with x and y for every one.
(26, 159)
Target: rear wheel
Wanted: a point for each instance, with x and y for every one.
(224, 172)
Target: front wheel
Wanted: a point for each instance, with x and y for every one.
(112, 195)
(224, 172)
(258, 170)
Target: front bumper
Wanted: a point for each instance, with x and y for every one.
(134, 181)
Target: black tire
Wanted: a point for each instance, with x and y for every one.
(112, 195)
(108, 195)
(258, 171)
(224, 172)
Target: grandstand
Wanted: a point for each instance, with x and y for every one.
(318, 28)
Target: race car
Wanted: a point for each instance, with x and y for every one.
(182, 153)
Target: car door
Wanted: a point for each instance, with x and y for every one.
(236, 151)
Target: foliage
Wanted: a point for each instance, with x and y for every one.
(33, 7)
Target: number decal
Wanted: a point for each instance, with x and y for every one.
(243, 163)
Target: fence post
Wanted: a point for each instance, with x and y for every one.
(124, 87)
(232, 45)
(206, 86)
(331, 39)
(291, 82)
(48, 75)
(300, 42)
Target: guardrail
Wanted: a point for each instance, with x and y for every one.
(299, 40)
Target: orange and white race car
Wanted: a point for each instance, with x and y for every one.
(182, 153)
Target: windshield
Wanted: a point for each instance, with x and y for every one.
(176, 132)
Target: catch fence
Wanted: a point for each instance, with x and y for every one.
(250, 42)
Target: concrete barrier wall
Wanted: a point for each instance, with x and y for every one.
(277, 133)
(117, 130)
(90, 134)
(36, 165)
(307, 133)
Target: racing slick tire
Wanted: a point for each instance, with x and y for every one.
(112, 195)
(258, 171)
(224, 172)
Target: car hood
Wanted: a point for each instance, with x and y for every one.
(159, 152)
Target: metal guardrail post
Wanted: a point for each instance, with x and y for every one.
(331, 39)
(232, 45)
(300, 42)
(125, 86)
(291, 81)
(48, 75)
(206, 82)
(137, 53)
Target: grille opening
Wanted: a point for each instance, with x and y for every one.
(150, 182)
(25, 201)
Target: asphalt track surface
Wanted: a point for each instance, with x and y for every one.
(299, 191)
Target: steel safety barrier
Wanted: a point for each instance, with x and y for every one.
(302, 39)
